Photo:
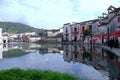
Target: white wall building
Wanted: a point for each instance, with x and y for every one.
(1, 36)
(75, 31)
(67, 32)
(52, 33)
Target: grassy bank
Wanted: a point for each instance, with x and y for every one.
(19, 74)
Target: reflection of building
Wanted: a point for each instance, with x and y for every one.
(108, 61)
(67, 52)
(53, 50)
(16, 49)
(1, 54)
(104, 61)
(26, 47)
(76, 53)
(50, 48)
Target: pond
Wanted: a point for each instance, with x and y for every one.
(86, 62)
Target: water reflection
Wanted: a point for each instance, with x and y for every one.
(77, 53)
(24, 48)
(50, 48)
(86, 62)
(103, 60)
(15, 50)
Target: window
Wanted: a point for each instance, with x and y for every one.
(90, 27)
(118, 19)
(75, 29)
(66, 30)
(75, 55)
(118, 28)
(83, 28)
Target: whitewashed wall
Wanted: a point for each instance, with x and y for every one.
(1, 35)
(95, 29)
(68, 28)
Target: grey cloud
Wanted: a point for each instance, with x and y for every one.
(49, 13)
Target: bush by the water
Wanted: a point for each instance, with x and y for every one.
(19, 74)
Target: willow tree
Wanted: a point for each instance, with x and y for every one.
(87, 32)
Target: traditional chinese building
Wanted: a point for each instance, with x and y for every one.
(109, 25)
(67, 32)
(105, 27)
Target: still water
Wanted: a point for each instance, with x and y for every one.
(85, 62)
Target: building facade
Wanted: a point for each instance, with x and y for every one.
(108, 26)
(102, 29)
(67, 32)
(1, 36)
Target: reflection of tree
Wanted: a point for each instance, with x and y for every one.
(25, 45)
(75, 47)
(111, 55)
(13, 53)
(43, 51)
(87, 56)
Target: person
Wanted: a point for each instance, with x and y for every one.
(90, 41)
(111, 43)
(116, 43)
(104, 41)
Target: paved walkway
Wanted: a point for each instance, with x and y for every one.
(114, 50)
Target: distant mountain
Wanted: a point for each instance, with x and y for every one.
(11, 27)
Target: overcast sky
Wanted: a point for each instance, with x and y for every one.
(52, 14)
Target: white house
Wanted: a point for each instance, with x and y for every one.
(1, 36)
(53, 33)
(34, 38)
(75, 31)
(67, 32)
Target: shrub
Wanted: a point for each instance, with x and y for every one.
(19, 74)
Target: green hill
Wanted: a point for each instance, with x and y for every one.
(11, 27)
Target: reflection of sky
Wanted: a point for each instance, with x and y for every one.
(53, 62)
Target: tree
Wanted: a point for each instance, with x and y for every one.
(87, 32)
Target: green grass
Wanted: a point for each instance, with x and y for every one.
(19, 74)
